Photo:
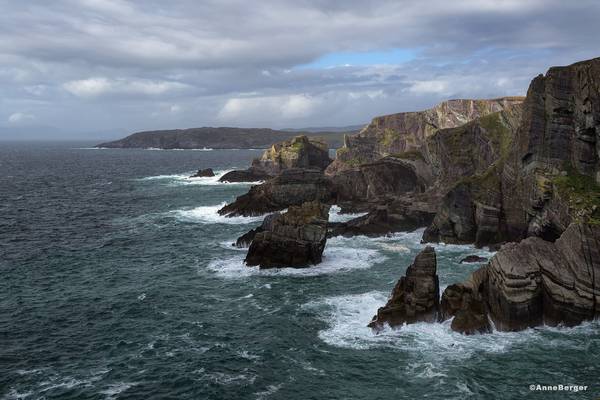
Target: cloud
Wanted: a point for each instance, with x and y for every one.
(424, 87)
(95, 87)
(277, 63)
(286, 107)
(20, 118)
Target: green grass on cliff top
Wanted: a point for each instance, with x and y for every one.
(583, 194)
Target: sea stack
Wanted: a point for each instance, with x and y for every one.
(415, 297)
(293, 239)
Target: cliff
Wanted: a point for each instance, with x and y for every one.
(550, 175)
(408, 131)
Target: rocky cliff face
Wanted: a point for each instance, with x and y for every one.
(415, 297)
(549, 176)
(531, 283)
(294, 239)
(407, 132)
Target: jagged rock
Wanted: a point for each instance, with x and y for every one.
(291, 187)
(208, 172)
(298, 152)
(538, 281)
(465, 302)
(246, 239)
(248, 175)
(473, 259)
(376, 181)
(293, 239)
(405, 132)
(530, 283)
(415, 297)
(398, 216)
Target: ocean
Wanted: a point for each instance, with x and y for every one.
(119, 281)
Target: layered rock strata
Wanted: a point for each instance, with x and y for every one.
(294, 239)
(415, 298)
(298, 152)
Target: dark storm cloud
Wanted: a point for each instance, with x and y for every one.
(156, 64)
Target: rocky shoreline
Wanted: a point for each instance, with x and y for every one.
(520, 175)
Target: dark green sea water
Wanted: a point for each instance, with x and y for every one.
(118, 281)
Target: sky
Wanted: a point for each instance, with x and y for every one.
(101, 69)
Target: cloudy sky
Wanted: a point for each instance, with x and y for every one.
(103, 68)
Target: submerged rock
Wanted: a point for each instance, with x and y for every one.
(293, 239)
(202, 173)
(473, 259)
(415, 297)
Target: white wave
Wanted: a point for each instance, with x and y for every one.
(335, 260)
(348, 316)
(186, 179)
(210, 215)
(336, 216)
(117, 388)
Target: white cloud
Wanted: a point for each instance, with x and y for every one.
(428, 87)
(19, 118)
(276, 107)
(95, 87)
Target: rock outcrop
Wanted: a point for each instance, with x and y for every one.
(531, 283)
(465, 303)
(291, 187)
(246, 175)
(299, 152)
(415, 297)
(294, 239)
(379, 181)
(246, 239)
(398, 216)
(204, 173)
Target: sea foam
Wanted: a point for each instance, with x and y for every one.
(347, 317)
(186, 179)
(210, 215)
(335, 260)
(335, 215)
